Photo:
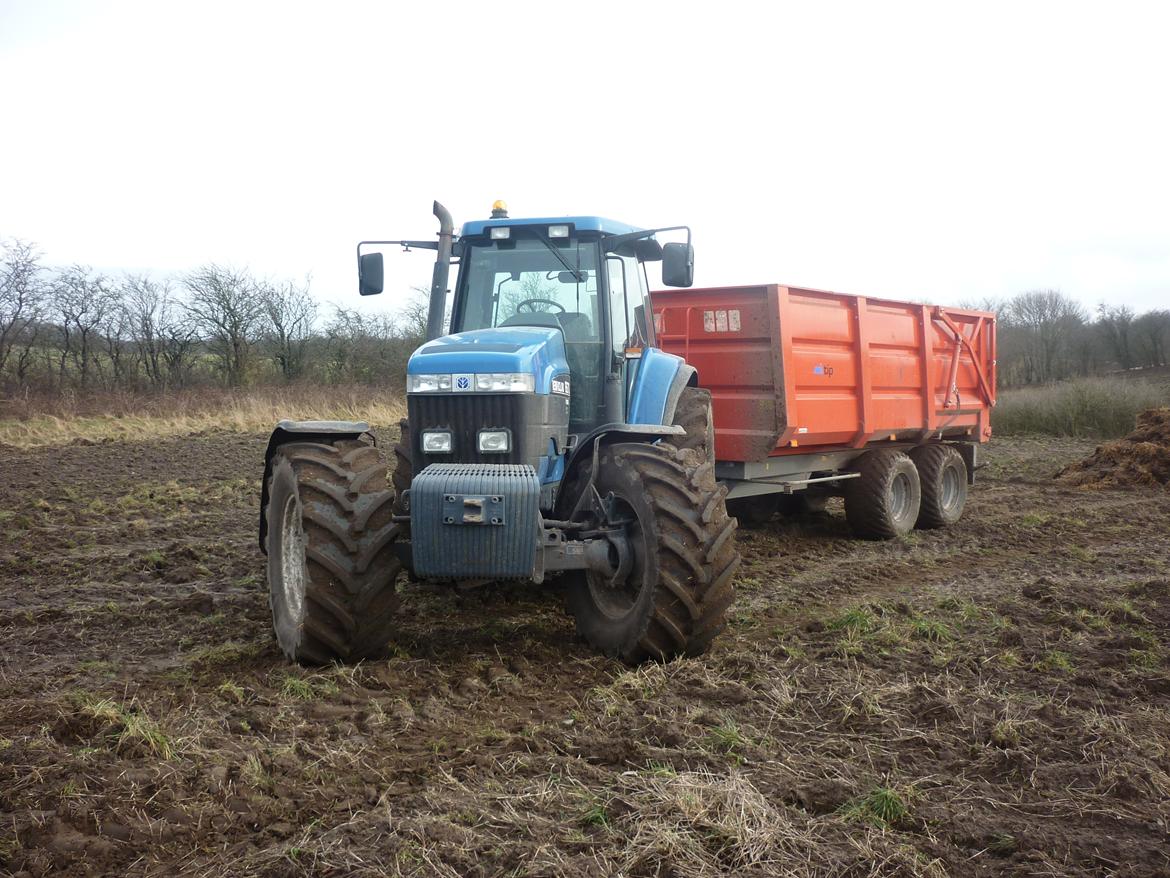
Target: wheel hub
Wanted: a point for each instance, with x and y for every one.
(293, 571)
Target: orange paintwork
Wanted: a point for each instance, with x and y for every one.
(793, 370)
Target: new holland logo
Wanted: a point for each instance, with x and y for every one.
(461, 382)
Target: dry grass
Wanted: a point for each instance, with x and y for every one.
(1099, 408)
(28, 423)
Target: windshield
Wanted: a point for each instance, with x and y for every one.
(522, 282)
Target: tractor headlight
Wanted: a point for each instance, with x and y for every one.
(436, 442)
(428, 383)
(494, 441)
(506, 382)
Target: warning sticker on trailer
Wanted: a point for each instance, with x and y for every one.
(721, 321)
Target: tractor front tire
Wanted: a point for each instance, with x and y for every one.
(331, 561)
(883, 502)
(944, 485)
(674, 599)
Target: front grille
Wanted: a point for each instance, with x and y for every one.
(465, 414)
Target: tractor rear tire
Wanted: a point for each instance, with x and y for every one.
(883, 502)
(693, 414)
(331, 560)
(674, 600)
(944, 485)
(403, 473)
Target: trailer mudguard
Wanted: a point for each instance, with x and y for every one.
(657, 385)
(301, 431)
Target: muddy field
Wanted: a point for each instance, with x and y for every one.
(993, 700)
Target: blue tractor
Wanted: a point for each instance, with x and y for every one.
(547, 439)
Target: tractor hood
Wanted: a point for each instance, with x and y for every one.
(532, 350)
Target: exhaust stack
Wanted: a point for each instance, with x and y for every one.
(442, 274)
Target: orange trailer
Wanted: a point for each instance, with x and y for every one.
(805, 384)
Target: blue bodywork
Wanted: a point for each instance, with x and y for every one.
(476, 228)
(534, 350)
(650, 387)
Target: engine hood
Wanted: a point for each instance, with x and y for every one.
(535, 350)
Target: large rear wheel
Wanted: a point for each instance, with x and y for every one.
(331, 562)
(883, 502)
(693, 414)
(673, 588)
(944, 485)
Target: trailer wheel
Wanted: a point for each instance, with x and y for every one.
(693, 414)
(883, 502)
(331, 562)
(944, 485)
(403, 473)
(673, 598)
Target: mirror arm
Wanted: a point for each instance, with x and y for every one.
(613, 242)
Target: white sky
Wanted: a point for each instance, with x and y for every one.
(932, 151)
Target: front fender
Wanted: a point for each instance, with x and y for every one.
(301, 431)
(657, 385)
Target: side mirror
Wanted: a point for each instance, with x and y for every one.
(678, 265)
(370, 274)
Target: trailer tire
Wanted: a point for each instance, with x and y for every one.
(883, 502)
(693, 414)
(331, 560)
(943, 474)
(403, 473)
(675, 597)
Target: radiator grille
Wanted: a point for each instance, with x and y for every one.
(465, 414)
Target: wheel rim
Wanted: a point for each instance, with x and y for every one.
(617, 601)
(949, 490)
(293, 573)
(900, 496)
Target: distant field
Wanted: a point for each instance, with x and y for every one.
(127, 417)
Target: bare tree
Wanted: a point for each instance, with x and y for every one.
(1152, 333)
(227, 308)
(1115, 323)
(1047, 320)
(21, 294)
(81, 301)
(291, 314)
(163, 332)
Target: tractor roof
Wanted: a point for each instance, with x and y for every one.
(580, 223)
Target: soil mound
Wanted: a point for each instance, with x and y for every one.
(1141, 459)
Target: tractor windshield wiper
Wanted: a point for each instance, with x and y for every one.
(576, 272)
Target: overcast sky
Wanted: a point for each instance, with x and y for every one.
(934, 151)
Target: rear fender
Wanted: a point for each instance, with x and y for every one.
(301, 431)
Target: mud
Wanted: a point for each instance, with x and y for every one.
(1140, 460)
(989, 700)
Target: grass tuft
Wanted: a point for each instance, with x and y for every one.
(883, 807)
